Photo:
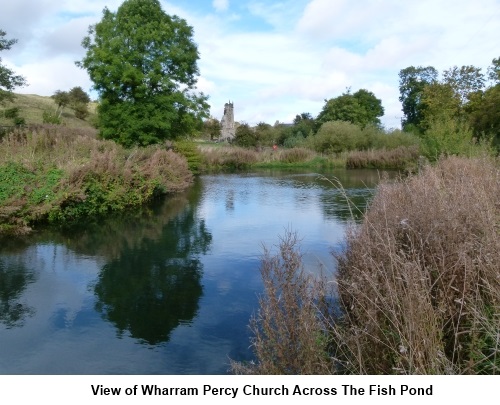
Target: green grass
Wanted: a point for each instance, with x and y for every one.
(33, 106)
(62, 175)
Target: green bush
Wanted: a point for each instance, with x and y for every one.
(448, 137)
(12, 113)
(336, 137)
(59, 174)
(49, 117)
(190, 151)
(294, 141)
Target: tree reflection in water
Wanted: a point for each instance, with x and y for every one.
(153, 285)
(14, 278)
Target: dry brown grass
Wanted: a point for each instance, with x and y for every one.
(233, 157)
(228, 157)
(80, 176)
(420, 279)
(289, 336)
(400, 158)
(418, 285)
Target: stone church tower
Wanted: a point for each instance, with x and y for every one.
(228, 130)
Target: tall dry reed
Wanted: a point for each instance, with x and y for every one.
(419, 281)
(418, 285)
(290, 336)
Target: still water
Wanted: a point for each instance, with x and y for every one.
(168, 289)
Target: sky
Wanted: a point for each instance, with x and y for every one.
(272, 59)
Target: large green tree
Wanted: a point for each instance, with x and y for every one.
(8, 79)
(143, 63)
(361, 108)
(465, 81)
(412, 81)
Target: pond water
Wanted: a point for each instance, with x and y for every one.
(167, 289)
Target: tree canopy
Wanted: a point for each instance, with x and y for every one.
(361, 108)
(412, 82)
(465, 102)
(143, 63)
(76, 98)
(8, 79)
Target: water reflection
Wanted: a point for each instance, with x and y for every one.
(14, 279)
(180, 277)
(154, 286)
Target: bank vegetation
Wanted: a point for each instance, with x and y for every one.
(58, 174)
(417, 289)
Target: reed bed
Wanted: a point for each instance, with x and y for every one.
(417, 289)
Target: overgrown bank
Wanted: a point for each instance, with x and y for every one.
(417, 289)
(220, 158)
(59, 174)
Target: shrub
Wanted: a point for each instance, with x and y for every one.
(57, 173)
(418, 285)
(294, 140)
(49, 117)
(295, 155)
(335, 137)
(447, 137)
(189, 150)
(401, 158)
(289, 337)
(12, 112)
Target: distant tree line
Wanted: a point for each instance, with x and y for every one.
(464, 102)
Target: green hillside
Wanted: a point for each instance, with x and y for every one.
(33, 106)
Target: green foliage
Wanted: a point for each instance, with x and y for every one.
(266, 134)
(447, 137)
(464, 81)
(335, 137)
(12, 113)
(484, 114)
(55, 173)
(438, 101)
(18, 121)
(46, 188)
(303, 124)
(412, 82)
(341, 136)
(245, 136)
(78, 95)
(8, 79)
(61, 98)
(81, 110)
(494, 71)
(211, 128)
(190, 151)
(103, 194)
(361, 108)
(13, 179)
(76, 98)
(294, 140)
(143, 63)
(24, 192)
(49, 117)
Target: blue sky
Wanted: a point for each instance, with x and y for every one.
(273, 59)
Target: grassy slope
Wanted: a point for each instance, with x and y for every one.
(32, 107)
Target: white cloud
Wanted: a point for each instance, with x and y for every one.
(58, 73)
(306, 51)
(220, 5)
